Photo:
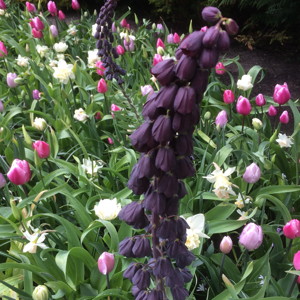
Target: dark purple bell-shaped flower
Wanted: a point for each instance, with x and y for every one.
(167, 184)
(231, 27)
(182, 123)
(166, 229)
(185, 68)
(184, 259)
(164, 71)
(146, 166)
(165, 159)
(185, 100)
(141, 279)
(163, 267)
(223, 41)
(211, 14)
(150, 109)
(192, 44)
(131, 270)
(155, 295)
(175, 278)
(172, 206)
(138, 185)
(166, 95)
(211, 36)
(186, 274)
(208, 58)
(179, 292)
(184, 144)
(162, 130)
(141, 247)
(181, 189)
(154, 201)
(178, 53)
(184, 168)
(125, 247)
(199, 83)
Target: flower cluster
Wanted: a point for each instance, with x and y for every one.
(165, 141)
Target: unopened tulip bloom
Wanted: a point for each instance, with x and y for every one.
(102, 86)
(221, 119)
(296, 261)
(228, 96)
(2, 4)
(30, 7)
(170, 38)
(160, 43)
(75, 5)
(36, 94)
(124, 24)
(243, 106)
(3, 50)
(292, 229)
(245, 83)
(61, 15)
(257, 123)
(272, 111)
(37, 23)
(147, 90)
(284, 117)
(251, 237)
(226, 244)
(1, 106)
(107, 209)
(10, 79)
(252, 173)
(110, 141)
(19, 172)
(106, 263)
(156, 59)
(40, 293)
(37, 33)
(52, 8)
(281, 94)
(160, 27)
(176, 38)
(114, 107)
(39, 124)
(2, 181)
(100, 68)
(53, 30)
(260, 100)
(220, 68)
(120, 49)
(42, 149)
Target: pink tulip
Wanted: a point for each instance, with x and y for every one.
(1, 106)
(53, 30)
(42, 149)
(102, 86)
(160, 27)
(156, 59)
(124, 24)
(110, 141)
(52, 8)
(37, 23)
(243, 106)
(100, 68)
(220, 68)
(61, 15)
(160, 43)
(170, 38)
(30, 7)
(75, 5)
(281, 94)
(260, 100)
(147, 90)
(2, 4)
(272, 111)
(97, 115)
(114, 107)
(2, 181)
(129, 44)
(292, 229)
(296, 261)
(221, 119)
(251, 237)
(120, 50)
(10, 79)
(36, 94)
(106, 263)
(226, 244)
(176, 38)
(228, 96)
(252, 173)
(37, 33)
(3, 50)
(113, 27)
(284, 117)
(19, 172)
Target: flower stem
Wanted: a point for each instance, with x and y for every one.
(108, 284)
(130, 103)
(292, 286)
(222, 264)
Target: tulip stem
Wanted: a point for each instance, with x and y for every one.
(289, 247)
(222, 264)
(107, 281)
(292, 286)
(130, 103)
(243, 123)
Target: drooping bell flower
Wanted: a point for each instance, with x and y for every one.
(19, 172)
(251, 237)
(228, 96)
(211, 36)
(221, 119)
(252, 173)
(106, 263)
(42, 148)
(75, 5)
(292, 229)
(284, 117)
(30, 7)
(260, 100)
(281, 94)
(231, 27)
(102, 86)
(3, 50)
(272, 111)
(61, 15)
(243, 106)
(52, 8)
(220, 68)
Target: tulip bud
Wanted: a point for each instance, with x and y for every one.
(2, 181)
(2, 4)
(231, 27)
(160, 27)
(39, 124)
(251, 237)
(30, 7)
(156, 59)
(160, 43)
(221, 119)
(292, 229)
(37, 23)
(296, 261)
(207, 115)
(260, 100)
(37, 33)
(147, 90)
(102, 86)
(176, 38)
(3, 50)
(75, 5)
(42, 149)
(170, 38)
(40, 293)
(226, 244)
(281, 94)
(106, 263)
(252, 173)
(52, 8)
(97, 115)
(228, 96)
(10, 79)
(124, 24)
(53, 30)
(284, 117)
(243, 106)
(1, 106)
(211, 14)
(110, 141)
(120, 50)
(220, 68)
(19, 172)
(257, 123)
(61, 15)
(36, 94)
(160, 50)
(272, 111)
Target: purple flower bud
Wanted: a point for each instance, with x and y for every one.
(106, 263)
(136, 184)
(36, 94)
(179, 292)
(226, 244)
(185, 68)
(184, 259)
(252, 173)
(211, 14)
(165, 159)
(231, 27)
(10, 79)
(131, 270)
(1, 106)
(150, 107)
(184, 144)
(199, 83)
(125, 247)
(221, 119)
(251, 237)
(185, 167)
(154, 201)
(141, 247)
(166, 95)
(260, 100)
(53, 30)
(223, 41)
(166, 230)
(170, 38)
(168, 184)
(185, 100)
(141, 279)
(211, 37)
(192, 44)
(208, 58)
(164, 71)
(163, 267)
(162, 129)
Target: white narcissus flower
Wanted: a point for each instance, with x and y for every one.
(35, 240)
(92, 57)
(72, 30)
(53, 63)
(80, 115)
(94, 29)
(245, 83)
(284, 141)
(60, 47)
(91, 167)
(42, 50)
(63, 72)
(239, 201)
(22, 61)
(222, 185)
(107, 209)
(195, 232)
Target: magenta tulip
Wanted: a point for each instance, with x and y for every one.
(75, 5)
(52, 8)
(106, 263)
(252, 173)
(42, 149)
(2, 181)
(30, 7)
(102, 86)
(176, 38)
(124, 24)
(160, 43)
(292, 229)
(226, 245)
(260, 100)
(220, 68)
(296, 261)
(221, 119)
(114, 107)
(272, 111)
(110, 141)
(19, 172)
(228, 96)
(251, 237)
(281, 94)
(156, 59)
(3, 50)
(37, 23)
(61, 15)
(100, 69)
(120, 50)
(243, 106)
(147, 90)
(37, 33)
(284, 117)
(2, 4)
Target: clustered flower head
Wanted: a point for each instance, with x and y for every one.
(166, 146)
